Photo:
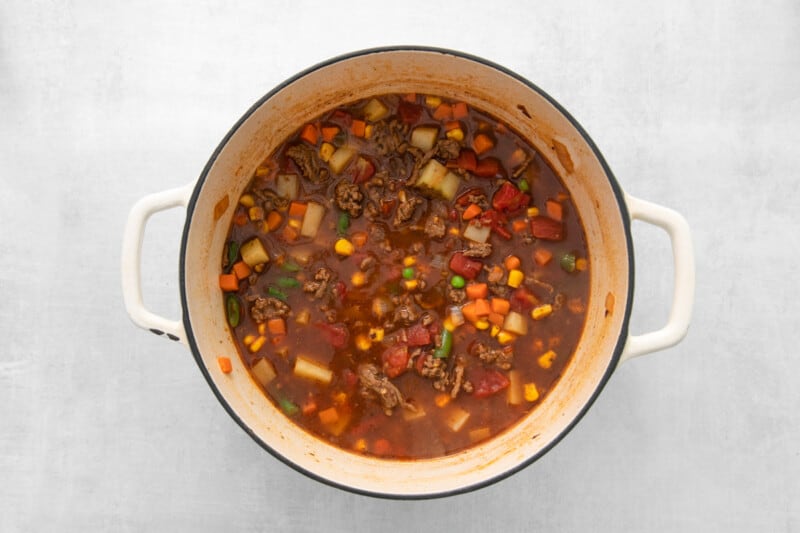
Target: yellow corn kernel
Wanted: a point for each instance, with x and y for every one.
(295, 223)
(259, 268)
(482, 324)
(546, 359)
(376, 334)
(256, 213)
(247, 200)
(541, 311)
(344, 247)
(326, 151)
(456, 134)
(368, 131)
(581, 264)
(358, 279)
(531, 392)
(505, 338)
(360, 445)
(441, 399)
(515, 278)
(340, 398)
(363, 342)
(448, 324)
(409, 261)
(262, 328)
(258, 343)
(432, 101)
(494, 331)
(533, 211)
(262, 171)
(410, 284)
(454, 231)
(248, 339)
(303, 317)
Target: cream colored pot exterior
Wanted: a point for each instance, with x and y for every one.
(605, 210)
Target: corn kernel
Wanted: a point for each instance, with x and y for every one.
(360, 445)
(262, 328)
(531, 392)
(363, 342)
(410, 284)
(376, 334)
(409, 261)
(454, 231)
(247, 200)
(546, 359)
(358, 279)
(295, 223)
(263, 170)
(326, 151)
(581, 264)
(505, 338)
(340, 398)
(515, 278)
(448, 324)
(258, 343)
(541, 311)
(482, 324)
(432, 101)
(456, 134)
(248, 339)
(441, 399)
(368, 131)
(256, 213)
(494, 331)
(533, 211)
(344, 247)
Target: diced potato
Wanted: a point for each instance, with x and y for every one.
(456, 419)
(436, 179)
(287, 186)
(424, 137)
(264, 372)
(479, 434)
(341, 158)
(409, 415)
(515, 388)
(375, 110)
(253, 252)
(475, 231)
(515, 323)
(309, 369)
(312, 219)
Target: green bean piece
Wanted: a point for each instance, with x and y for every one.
(290, 266)
(289, 407)
(277, 293)
(234, 310)
(343, 224)
(443, 351)
(288, 283)
(233, 252)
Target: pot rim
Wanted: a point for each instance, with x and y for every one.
(616, 189)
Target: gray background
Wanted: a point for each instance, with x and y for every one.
(103, 426)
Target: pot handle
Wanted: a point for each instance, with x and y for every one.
(680, 313)
(131, 261)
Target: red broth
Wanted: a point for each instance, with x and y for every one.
(405, 276)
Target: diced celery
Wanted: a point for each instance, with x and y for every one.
(264, 372)
(312, 219)
(253, 252)
(424, 137)
(308, 369)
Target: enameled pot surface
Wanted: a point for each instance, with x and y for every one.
(604, 209)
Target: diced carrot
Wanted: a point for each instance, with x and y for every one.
(471, 212)
(497, 319)
(469, 311)
(482, 307)
(290, 233)
(452, 125)
(297, 209)
(460, 110)
(228, 282)
(441, 399)
(443, 112)
(309, 407)
(309, 134)
(519, 225)
(554, 210)
(240, 218)
(542, 256)
(225, 365)
(359, 239)
(410, 97)
(274, 220)
(276, 326)
(382, 447)
(241, 269)
(477, 290)
(329, 132)
(488, 167)
(482, 143)
(358, 127)
(500, 306)
(511, 262)
(328, 416)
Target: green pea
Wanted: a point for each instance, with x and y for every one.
(408, 273)
(458, 282)
(523, 185)
(568, 262)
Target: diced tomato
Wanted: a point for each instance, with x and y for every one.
(464, 266)
(509, 198)
(343, 118)
(334, 334)
(362, 170)
(497, 221)
(488, 382)
(409, 112)
(488, 167)
(466, 160)
(546, 228)
(418, 335)
(466, 197)
(395, 360)
(349, 378)
(340, 290)
(419, 363)
(522, 299)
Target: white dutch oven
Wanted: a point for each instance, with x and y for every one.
(605, 209)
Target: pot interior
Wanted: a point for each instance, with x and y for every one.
(513, 101)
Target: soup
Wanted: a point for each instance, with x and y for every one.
(405, 276)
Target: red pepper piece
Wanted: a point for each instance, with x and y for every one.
(418, 335)
(334, 334)
(464, 266)
(546, 228)
(509, 198)
(409, 112)
(395, 360)
(488, 382)
(488, 167)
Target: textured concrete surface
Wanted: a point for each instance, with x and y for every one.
(104, 427)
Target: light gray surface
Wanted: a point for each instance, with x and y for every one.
(106, 427)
